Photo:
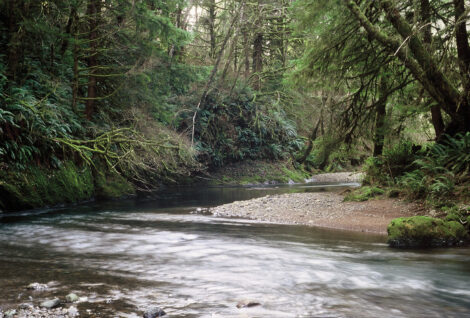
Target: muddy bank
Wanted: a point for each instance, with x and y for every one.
(323, 210)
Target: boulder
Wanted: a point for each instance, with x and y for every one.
(425, 232)
(49, 304)
(154, 312)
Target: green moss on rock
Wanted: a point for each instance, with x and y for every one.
(424, 231)
(363, 194)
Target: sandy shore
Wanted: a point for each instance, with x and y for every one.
(321, 209)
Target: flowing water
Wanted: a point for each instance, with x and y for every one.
(126, 256)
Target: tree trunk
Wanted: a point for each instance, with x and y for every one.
(229, 58)
(212, 17)
(425, 20)
(68, 30)
(380, 114)
(92, 61)
(257, 60)
(420, 63)
(207, 87)
(311, 139)
(246, 46)
(14, 39)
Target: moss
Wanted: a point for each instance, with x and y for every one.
(363, 194)
(424, 231)
(11, 198)
(295, 175)
(38, 187)
(111, 185)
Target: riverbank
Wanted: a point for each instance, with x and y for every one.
(326, 210)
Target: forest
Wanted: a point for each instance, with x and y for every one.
(111, 97)
(234, 158)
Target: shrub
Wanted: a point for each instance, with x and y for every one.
(235, 127)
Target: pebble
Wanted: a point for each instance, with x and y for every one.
(52, 303)
(154, 312)
(37, 286)
(36, 312)
(71, 298)
(72, 311)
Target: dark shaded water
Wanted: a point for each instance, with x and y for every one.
(125, 256)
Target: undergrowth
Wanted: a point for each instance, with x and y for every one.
(437, 174)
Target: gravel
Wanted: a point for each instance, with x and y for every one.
(321, 209)
(30, 311)
(338, 177)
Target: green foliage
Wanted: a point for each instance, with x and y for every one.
(453, 153)
(35, 187)
(363, 194)
(434, 173)
(31, 116)
(235, 127)
(394, 163)
(111, 185)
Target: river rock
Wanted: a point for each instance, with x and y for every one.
(247, 303)
(49, 304)
(26, 306)
(72, 311)
(71, 298)
(37, 286)
(10, 313)
(154, 312)
(83, 299)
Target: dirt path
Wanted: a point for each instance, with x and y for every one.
(321, 209)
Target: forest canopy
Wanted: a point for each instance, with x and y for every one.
(156, 91)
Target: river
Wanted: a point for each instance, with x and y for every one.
(125, 256)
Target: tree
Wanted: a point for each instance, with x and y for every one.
(447, 84)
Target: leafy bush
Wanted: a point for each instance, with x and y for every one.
(453, 153)
(234, 127)
(432, 174)
(32, 115)
(393, 164)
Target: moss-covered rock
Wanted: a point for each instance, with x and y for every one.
(424, 231)
(363, 194)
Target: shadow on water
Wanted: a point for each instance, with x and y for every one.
(124, 256)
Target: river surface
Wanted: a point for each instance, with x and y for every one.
(126, 256)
